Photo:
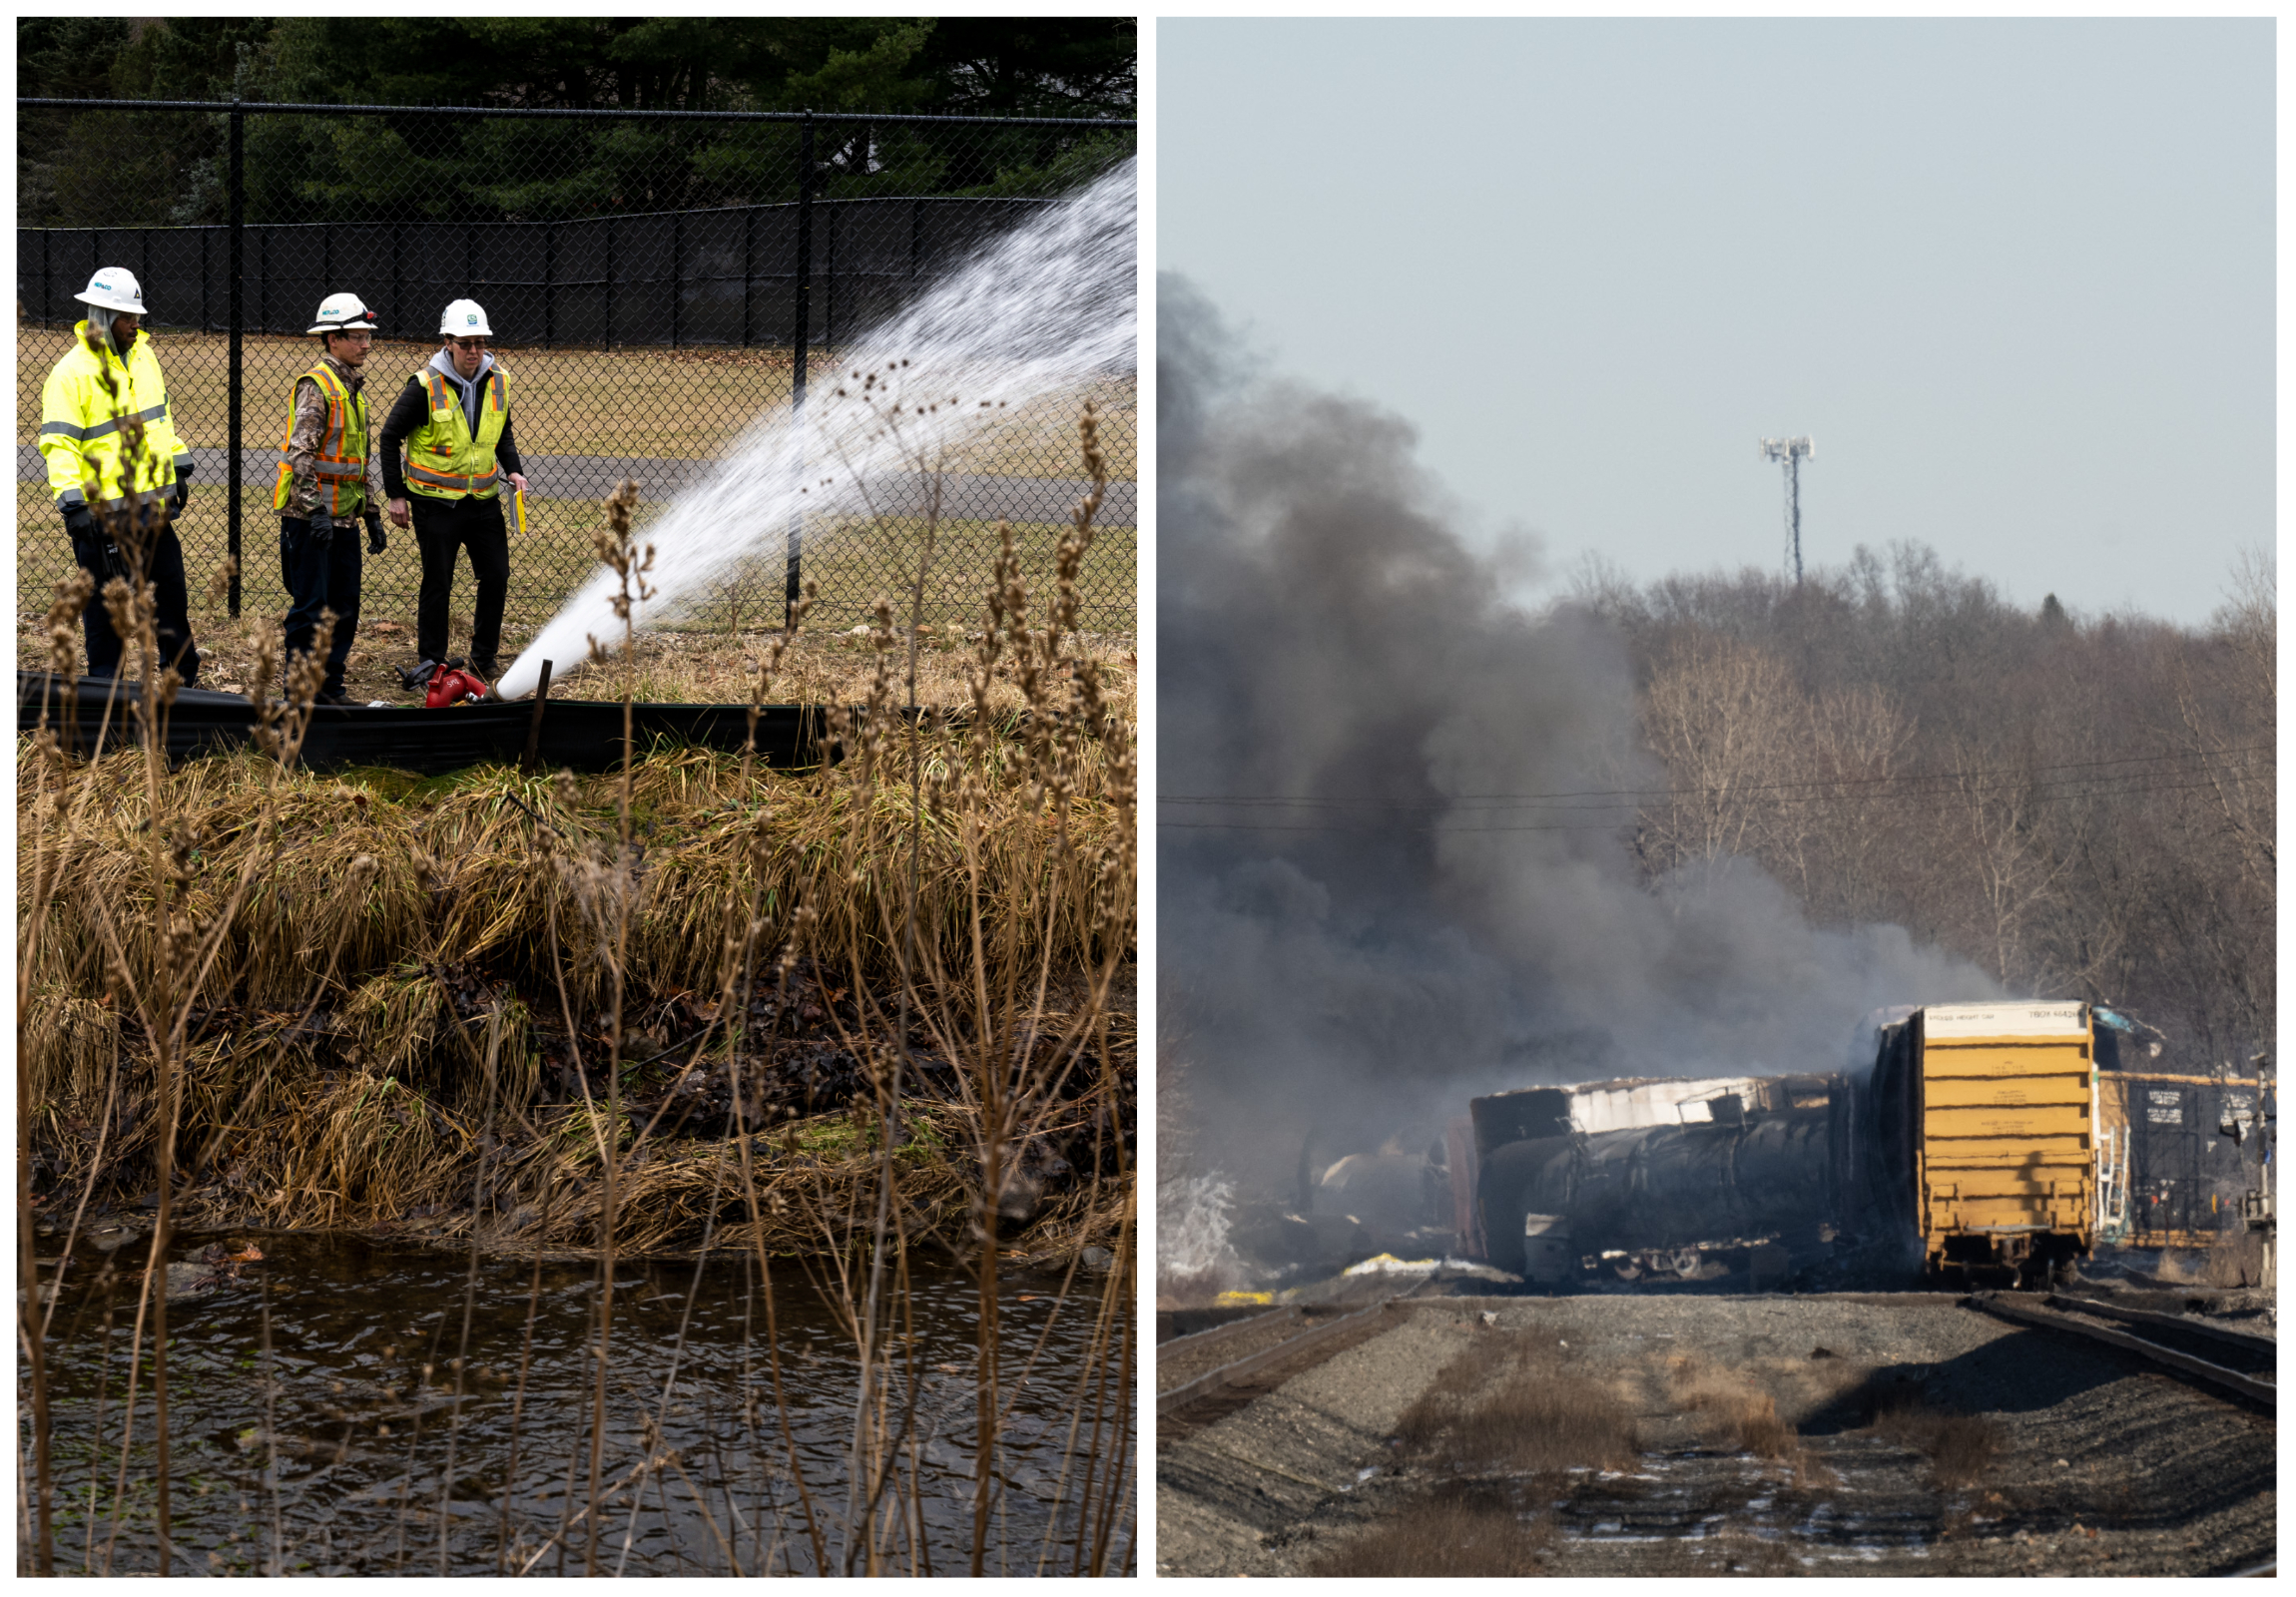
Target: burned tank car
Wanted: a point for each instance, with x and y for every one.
(1693, 1171)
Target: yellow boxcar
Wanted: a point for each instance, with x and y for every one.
(1994, 1111)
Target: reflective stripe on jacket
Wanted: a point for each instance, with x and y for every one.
(83, 427)
(443, 461)
(339, 458)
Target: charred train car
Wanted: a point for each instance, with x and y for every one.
(1988, 1144)
(1649, 1178)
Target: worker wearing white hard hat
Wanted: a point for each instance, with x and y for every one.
(324, 487)
(118, 472)
(453, 419)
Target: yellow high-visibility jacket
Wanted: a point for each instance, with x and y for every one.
(443, 459)
(81, 426)
(339, 460)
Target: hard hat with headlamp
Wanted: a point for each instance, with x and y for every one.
(342, 313)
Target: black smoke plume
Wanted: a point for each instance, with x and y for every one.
(1418, 921)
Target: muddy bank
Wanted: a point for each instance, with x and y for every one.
(366, 1119)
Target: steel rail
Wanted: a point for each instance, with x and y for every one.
(1213, 1379)
(2248, 1342)
(2256, 1391)
(1214, 1333)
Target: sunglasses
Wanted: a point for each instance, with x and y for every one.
(467, 344)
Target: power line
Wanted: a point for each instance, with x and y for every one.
(1651, 815)
(1813, 788)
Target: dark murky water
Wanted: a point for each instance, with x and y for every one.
(382, 1467)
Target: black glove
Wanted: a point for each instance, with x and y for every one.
(375, 541)
(178, 497)
(80, 522)
(322, 524)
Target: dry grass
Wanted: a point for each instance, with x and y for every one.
(699, 666)
(1961, 1447)
(707, 666)
(1735, 1412)
(549, 562)
(1463, 1531)
(1517, 1403)
(579, 402)
(1735, 1415)
(370, 1152)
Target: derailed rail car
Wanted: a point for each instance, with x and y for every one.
(1975, 1137)
(1659, 1199)
(1990, 1144)
(1657, 1177)
(2183, 1161)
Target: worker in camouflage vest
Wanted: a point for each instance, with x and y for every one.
(325, 488)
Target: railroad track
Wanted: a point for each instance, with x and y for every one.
(2230, 1360)
(1233, 1377)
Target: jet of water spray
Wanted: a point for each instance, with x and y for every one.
(1044, 307)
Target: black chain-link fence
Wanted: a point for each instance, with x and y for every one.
(656, 284)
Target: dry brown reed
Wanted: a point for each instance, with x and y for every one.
(374, 870)
(392, 883)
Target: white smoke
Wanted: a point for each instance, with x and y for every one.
(1192, 1226)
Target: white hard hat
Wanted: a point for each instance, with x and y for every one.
(114, 289)
(342, 313)
(465, 318)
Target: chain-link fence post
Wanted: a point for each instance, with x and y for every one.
(232, 471)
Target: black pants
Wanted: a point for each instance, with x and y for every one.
(174, 619)
(321, 574)
(443, 527)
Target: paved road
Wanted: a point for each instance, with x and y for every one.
(966, 495)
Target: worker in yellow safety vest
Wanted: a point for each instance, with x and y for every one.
(119, 473)
(323, 489)
(454, 422)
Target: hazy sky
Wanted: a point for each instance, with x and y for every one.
(2015, 278)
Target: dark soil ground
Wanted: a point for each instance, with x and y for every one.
(1897, 1435)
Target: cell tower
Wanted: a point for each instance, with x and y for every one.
(1792, 451)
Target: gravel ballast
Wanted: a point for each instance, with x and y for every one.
(2091, 1462)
